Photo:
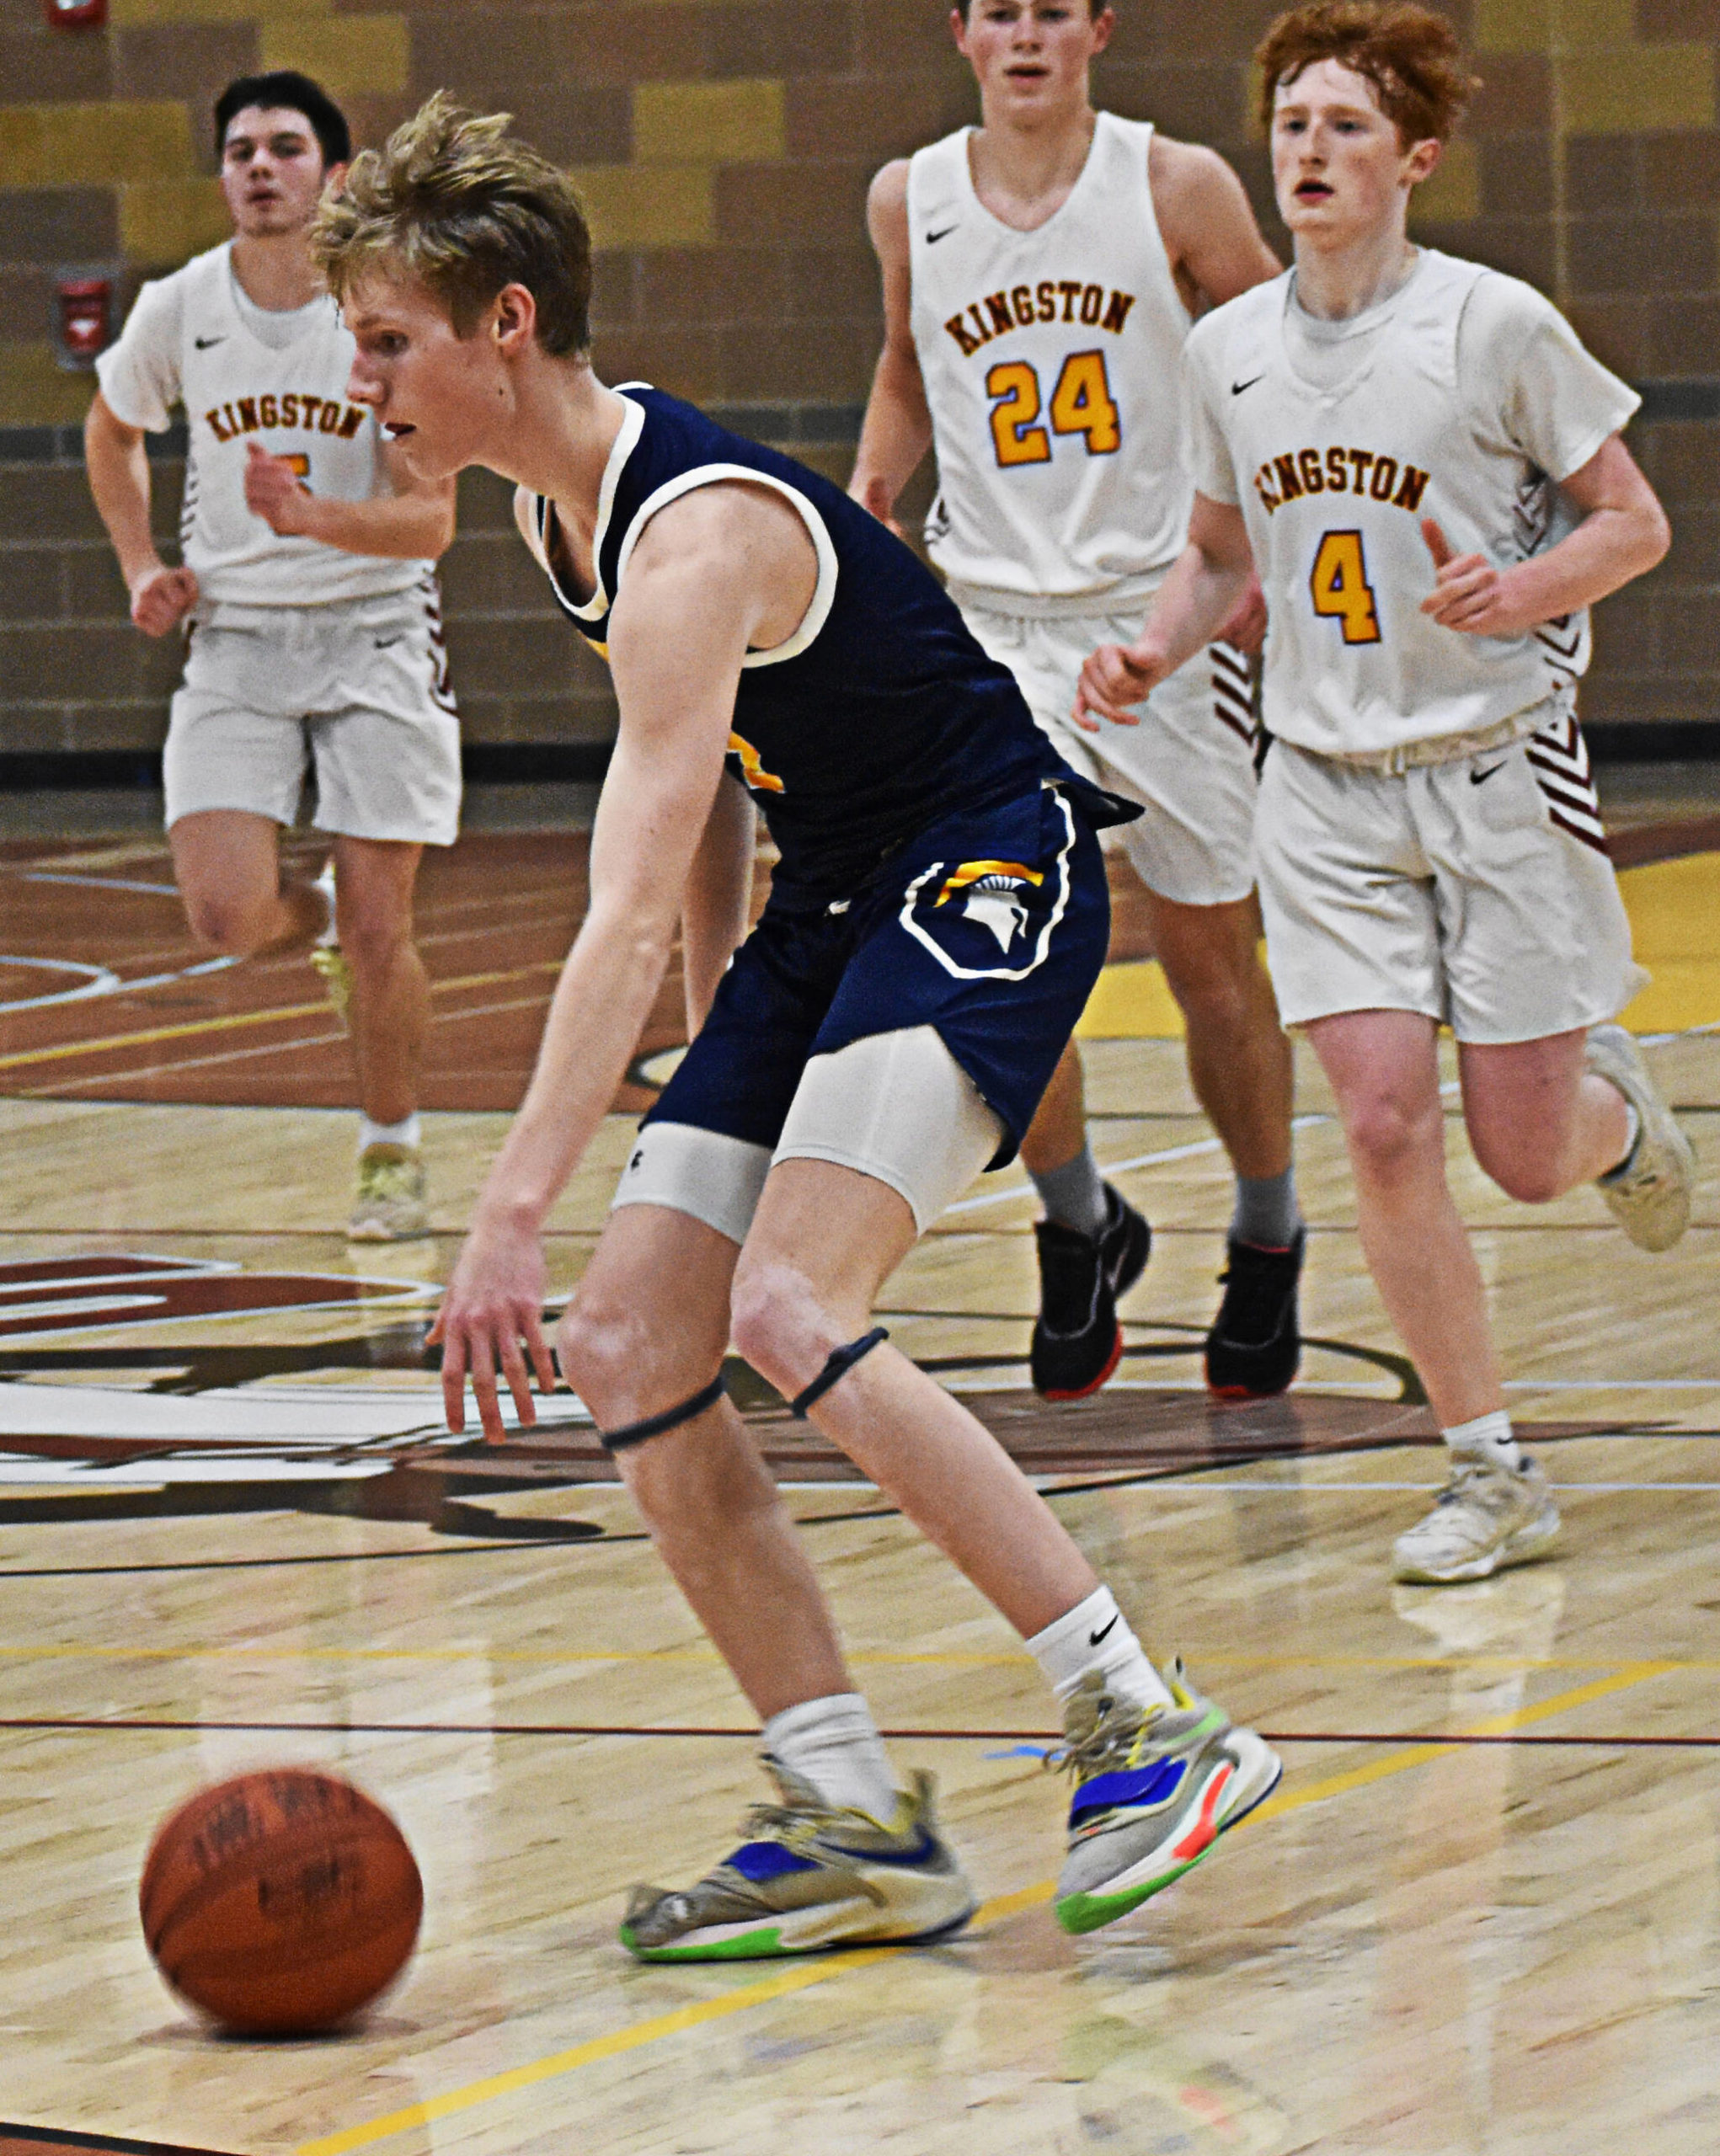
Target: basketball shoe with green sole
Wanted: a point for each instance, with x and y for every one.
(807, 1878)
(1155, 1787)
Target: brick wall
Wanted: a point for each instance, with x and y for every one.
(724, 146)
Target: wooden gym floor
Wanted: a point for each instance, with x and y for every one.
(1481, 1916)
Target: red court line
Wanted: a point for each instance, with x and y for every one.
(92, 1725)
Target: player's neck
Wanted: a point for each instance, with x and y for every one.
(1025, 168)
(558, 434)
(1337, 280)
(276, 271)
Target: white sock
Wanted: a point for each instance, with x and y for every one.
(406, 1131)
(834, 1744)
(1625, 1158)
(1096, 1635)
(1488, 1437)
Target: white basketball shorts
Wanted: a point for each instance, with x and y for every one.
(355, 688)
(1190, 762)
(1478, 893)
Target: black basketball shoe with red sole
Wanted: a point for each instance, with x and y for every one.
(1077, 1341)
(1255, 1344)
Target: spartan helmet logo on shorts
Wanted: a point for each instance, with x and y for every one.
(994, 895)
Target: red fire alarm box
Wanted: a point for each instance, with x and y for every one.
(75, 14)
(86, 319)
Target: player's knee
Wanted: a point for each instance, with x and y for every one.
(1386, 1135)
(779, 1322)
(225, 921)
(605, 1355)
(373, 939)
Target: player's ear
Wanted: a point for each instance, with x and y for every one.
(1422, 160)
(334, 178)
(1104, 25)
(513, 322)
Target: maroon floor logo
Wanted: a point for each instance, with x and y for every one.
(68, 1295)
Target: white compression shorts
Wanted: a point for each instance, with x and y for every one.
(897, 1107)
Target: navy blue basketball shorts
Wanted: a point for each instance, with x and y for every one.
(987, 931)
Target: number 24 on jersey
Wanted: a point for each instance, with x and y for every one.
(1081, 404)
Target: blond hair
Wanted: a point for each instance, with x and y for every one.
(457, 205)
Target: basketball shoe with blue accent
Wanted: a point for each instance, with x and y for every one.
(1155, 1787)
(807, 1878)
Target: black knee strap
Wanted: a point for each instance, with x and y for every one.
(671, 1418)
(837, 1365)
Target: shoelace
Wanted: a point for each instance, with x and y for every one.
(1091, 1755)
(386, 1179)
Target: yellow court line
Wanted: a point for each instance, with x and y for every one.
(233, 1021)
(803, 1976)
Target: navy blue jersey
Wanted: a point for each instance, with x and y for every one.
(881, 714)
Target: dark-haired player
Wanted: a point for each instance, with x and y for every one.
(1427, 468)
(936, 921)
(306, 580)
(1040, 273)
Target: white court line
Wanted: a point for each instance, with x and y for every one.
(102, 883)
(1612, 1384)
(1120, 1167)
(1189, 1152)
(1211, 1486)
(98, 981)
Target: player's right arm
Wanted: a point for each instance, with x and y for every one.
(897, 432)
(723, 570)
(1206, 581)
(138, 379)
(118, 466)
(717, 909)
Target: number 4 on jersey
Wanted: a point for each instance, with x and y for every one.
(1081, 404)
(1340, 589)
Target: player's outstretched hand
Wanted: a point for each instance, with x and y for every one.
(274, 491)
(495, 1302)
(1469, 594)
(1114, 677)
(161, 599)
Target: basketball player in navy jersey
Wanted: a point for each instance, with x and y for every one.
(1041, 274)
(937, 920)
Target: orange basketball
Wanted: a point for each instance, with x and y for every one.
(281, 1903)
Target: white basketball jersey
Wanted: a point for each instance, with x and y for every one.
(1051, 361)
(1334, 482)
(293, 403)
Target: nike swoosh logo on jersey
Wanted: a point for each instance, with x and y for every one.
(203, 344)
(1238, 388)
(1093, 1638)
(932, 238)
(1480, 778)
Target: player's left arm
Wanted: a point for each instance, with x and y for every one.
(1623, 534)
(413, 521)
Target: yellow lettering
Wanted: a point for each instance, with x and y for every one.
(757, 777)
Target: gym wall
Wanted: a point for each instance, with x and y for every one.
(724, 146)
